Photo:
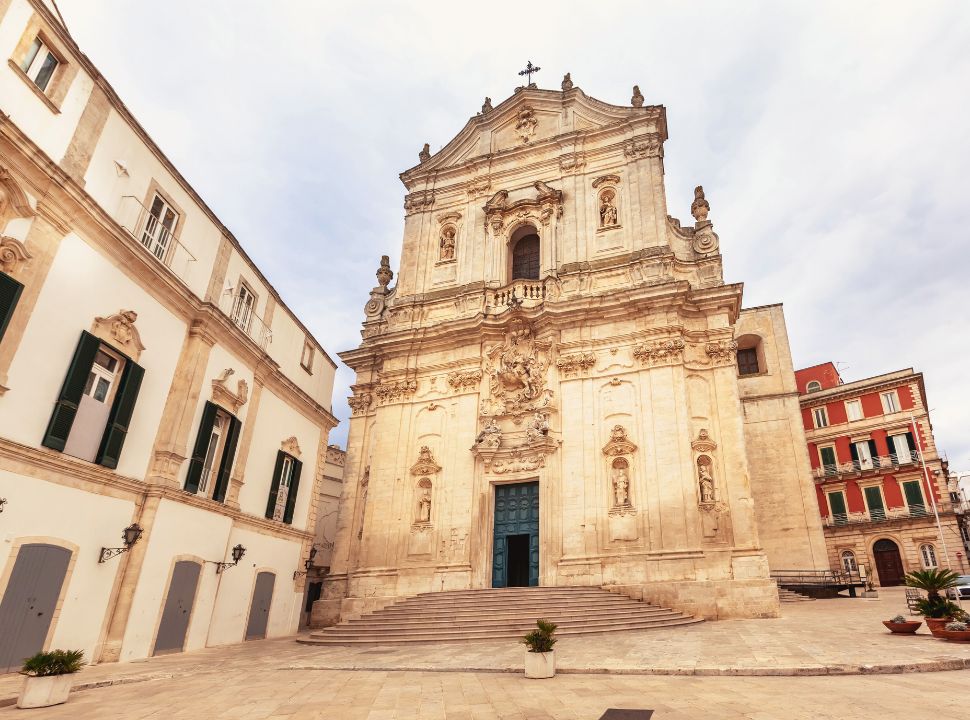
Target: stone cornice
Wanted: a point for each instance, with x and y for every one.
(862, 387)
(52, 466)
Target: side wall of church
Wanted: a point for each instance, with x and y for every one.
(781, 476)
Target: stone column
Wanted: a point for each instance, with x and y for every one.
(43, 241)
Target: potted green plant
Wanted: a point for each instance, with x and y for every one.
(955, 630)
(48, 680)
(935, 608)
(870, 593)
(540, 658)
(901, 626)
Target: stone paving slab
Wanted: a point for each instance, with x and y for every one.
(826, 637)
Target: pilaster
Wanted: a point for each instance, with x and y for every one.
(238, 478)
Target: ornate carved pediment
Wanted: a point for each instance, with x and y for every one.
(607, 180)
(426, 464)
(619, 443)
(703, 443)
(222, 395)
(570, 364)
(119, 331)
(13, 255)
(291, 446)
(547, 202)
(659, 351)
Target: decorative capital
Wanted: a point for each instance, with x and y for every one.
(119, 331)
(464, 380)
(643, 146)
(721, 351)
(388, 392)
(576, 362)
(13, 255)
(361, 400)
(418, 201)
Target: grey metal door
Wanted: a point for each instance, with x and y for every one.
(178, 608)
(29, 602)
(259, 611)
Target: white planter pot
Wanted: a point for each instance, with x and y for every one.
(540, 665)
(45, 691)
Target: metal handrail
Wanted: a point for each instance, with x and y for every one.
(148, 232)
(246, 320)
(857, 467)
(817, 577)
(913, 511)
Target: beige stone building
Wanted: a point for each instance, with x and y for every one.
(550, 394)
(151, 380)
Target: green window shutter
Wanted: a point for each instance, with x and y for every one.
(910, 442)
(837, 503)
(65, 408)
(121, 410)
(274, 488)
(914, 497)
(201, 445)
(828, 458)
(877, 510)
(10, 291)
(228, 454)
(294, 491)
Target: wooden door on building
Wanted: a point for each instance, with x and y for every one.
(29, 602)
(259, 609)
(889, 564)
(515, 547)
(178, 608)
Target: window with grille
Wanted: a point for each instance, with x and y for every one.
(813, 386)
(928, 555)
(748, 361)
(525, 258)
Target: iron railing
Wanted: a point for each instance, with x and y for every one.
(151, 235)
(817, 578)
(876, 516)
(857, 467)
(240, 307)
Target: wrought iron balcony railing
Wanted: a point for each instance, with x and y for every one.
(858, 467)
(239, 307)
(151, 235)
(877, 516)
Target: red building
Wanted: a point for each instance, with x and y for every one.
(868, 441)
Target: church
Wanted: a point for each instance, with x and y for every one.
(560, 388)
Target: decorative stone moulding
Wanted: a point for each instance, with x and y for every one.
(13, 200)
(418, 201)
(464, 379)
(577, 362)
(426, 464)
(571, 163)
(499, 212)
(291, 446)
(119, 331)
(222, 395)
(361, 399)
(391, 391)
(13, 255)
(622, 514)
(721, 352)
(659, 351)
(606, 180)
(619, 444)
(516, 372)
(477, 187)
(643, 146)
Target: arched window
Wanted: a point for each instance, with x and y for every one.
(928, 555)
(525, 257)
(813, 386)
(848, 561)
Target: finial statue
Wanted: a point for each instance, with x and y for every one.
(567, 82)
(487, 106)
(637, 98)
(700, 207)
(384, 273)
(425, 153)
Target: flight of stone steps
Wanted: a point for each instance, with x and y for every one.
(493, 614)
(790, 596)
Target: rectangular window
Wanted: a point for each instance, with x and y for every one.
(829, 463)
(890, 402)
(286, 474)
(853, 409)
(213, 454)
(306, 360)
(284, 488)
(242, 308)
(39, 63)
(913, 493)
(821, 417)
(899, 447)
(837, 508)
(748, 361)
(877, 509)
(159, 227)
(863, 455)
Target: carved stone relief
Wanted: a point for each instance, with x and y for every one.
(291, 446)
(659, 351)
(576, 362)
(622, 514)
(721, 352)
(516, 371)
(13, 255)
(391, 391)
(222, 395)
(361, 399)
(525, 124)
(446, 243)
(607, 208)
(643, 146)
(119, 331)
(464, 379)
(547, 203)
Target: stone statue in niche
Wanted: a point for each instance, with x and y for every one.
(538, 427)
(424, 501)
(490, 436)
(621, 483)
(705, 480)
(607, 208)
(448, 243)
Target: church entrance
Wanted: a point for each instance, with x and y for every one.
(515, 548)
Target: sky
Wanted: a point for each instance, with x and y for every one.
(829, 137)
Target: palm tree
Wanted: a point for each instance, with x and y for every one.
(932, 581)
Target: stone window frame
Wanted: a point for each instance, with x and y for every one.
(63, 76)
(752, 341)
(825, 412)
(809, 387)
(924, 557)
(513, 241)
(855, 560)
(155, 188)
(306, 359)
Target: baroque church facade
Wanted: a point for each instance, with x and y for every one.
(550, 393)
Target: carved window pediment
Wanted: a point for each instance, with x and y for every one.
(226, 398)
(426, 464)
(119, 331)
(292, 447)
(619, 443)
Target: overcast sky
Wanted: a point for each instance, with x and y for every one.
(828, 137)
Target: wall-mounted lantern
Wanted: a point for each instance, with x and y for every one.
(237, 554)
(129, 536)
(308, 564)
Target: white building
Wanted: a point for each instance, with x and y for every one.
(149, 376)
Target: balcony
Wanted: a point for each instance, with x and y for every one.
(860, 467)
(238, 307)
(151, 235)
(518, 293)
(877, 516)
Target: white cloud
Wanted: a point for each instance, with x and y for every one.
(829, 136)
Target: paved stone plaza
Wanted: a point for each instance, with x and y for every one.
(883, 675)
